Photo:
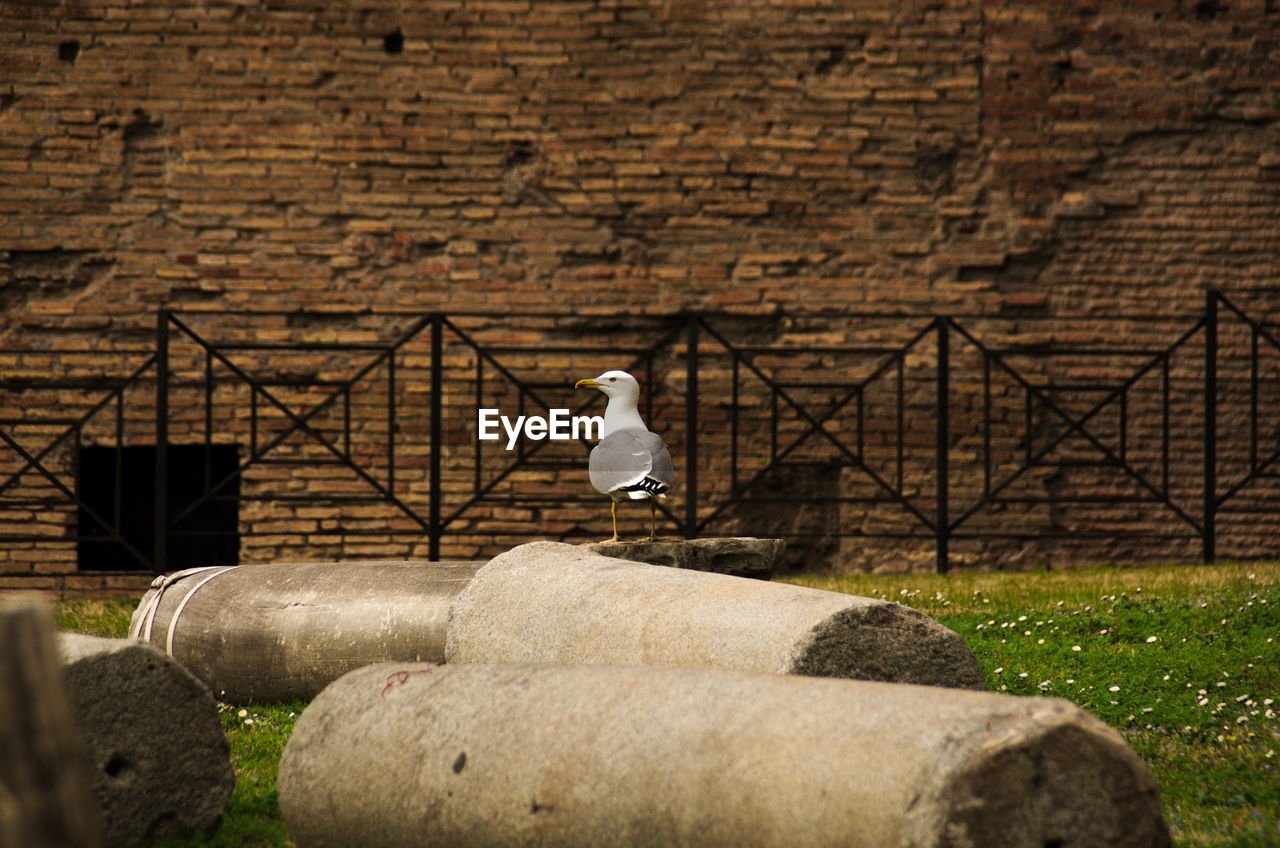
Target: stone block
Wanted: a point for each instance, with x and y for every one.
(740, 556)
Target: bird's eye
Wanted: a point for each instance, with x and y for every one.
(613, 379)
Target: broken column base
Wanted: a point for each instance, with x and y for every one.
(160, 763)
(742, 556)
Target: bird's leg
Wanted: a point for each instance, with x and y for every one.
(653, 521)
(613, 510)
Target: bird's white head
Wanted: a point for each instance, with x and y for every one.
(614, 384)
(623, 393)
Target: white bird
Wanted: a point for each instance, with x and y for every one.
(630, 463)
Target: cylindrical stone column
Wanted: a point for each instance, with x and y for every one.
(548, 602)
(591, 756)
(281, 631)
(160, 762)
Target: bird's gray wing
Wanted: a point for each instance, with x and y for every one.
(662, 470)
(631, 460)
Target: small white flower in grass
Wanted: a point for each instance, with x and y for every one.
(1113, 688)
(242, 713)
(1075, 647)
(1022, 674)
(1022, 618)
(1152, 638)
(248, 721)
(998, 670)
(1039, 641)
(1148, 709)
(1044, 684)
(1071, 680)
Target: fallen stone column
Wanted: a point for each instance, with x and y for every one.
(490, 755)
(547, 602)
(159, 756)
(278, 632)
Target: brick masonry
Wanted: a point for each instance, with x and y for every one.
(1034, 158)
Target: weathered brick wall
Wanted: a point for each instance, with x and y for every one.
(1031, 158)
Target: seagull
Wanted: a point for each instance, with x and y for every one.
(630, 463)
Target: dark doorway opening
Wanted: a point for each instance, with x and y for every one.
(116, 519)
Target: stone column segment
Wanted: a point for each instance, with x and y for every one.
(282, 631)
(568, 756)
(547, 602)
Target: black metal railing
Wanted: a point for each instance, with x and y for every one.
(942, 430)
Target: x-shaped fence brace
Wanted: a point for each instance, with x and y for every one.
(488, 354)
(301, 422)
(1258, 332)
(1076, 425)
(36, 462)
(815, 424)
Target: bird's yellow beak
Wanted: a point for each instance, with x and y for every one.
(586, 384)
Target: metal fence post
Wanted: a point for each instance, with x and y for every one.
(1208, 529)
(942, 518)
(437, 439)
(160, 556)
(691, 430)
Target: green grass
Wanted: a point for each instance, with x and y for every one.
(1184, 661)
(97, 618)
(1200, 702)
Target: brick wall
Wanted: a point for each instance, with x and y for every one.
(1009, 158)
